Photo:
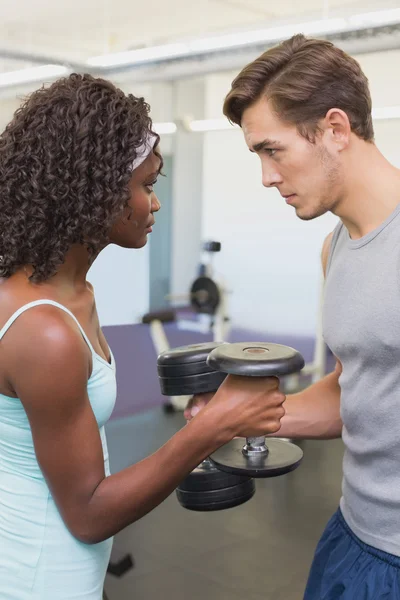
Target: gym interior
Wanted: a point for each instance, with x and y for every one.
(228, 261)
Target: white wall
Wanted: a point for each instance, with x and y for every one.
(121, 281)
(189, 99)
(270, 258)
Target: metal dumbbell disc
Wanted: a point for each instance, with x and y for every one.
(207, 477)
(186, 360)
(282, 457)
(192, 384)
(217, 499)
(197, 368)
(256, 359)
(187, 354)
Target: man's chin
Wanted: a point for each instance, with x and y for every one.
(308, 214)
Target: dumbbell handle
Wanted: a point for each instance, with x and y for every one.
(255, 446)
(280, 360)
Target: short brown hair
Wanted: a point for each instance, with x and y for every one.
(304, 78)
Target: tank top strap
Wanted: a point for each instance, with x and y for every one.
(26, 307)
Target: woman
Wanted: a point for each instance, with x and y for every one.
(78, 163)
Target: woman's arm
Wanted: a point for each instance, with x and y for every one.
(49, 375)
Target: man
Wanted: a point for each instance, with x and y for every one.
(305, 109)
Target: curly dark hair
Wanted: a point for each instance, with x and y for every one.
(65, 165)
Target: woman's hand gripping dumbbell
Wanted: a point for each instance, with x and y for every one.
(247, 406)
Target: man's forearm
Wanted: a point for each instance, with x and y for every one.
(314, 413)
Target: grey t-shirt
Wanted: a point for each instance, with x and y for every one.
(361, 323)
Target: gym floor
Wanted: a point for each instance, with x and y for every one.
(261, 550)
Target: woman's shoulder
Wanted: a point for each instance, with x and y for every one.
(32, 323)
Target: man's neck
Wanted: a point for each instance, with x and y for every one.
(372, 189)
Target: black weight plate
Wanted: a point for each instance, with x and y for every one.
(204, 295)
(184, 370)
(282, 458)
(256, 359)
(192, 384)
(217, 499)
(207, 477)
(193, 353)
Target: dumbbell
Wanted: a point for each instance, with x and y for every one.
(254, 459)
(184, 371)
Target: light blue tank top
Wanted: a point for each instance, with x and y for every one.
(39, 558)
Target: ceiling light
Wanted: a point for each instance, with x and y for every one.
(267, 35)
(32, 74)
(164, 128)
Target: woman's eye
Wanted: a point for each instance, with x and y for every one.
(149, 186)
(270, 151)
